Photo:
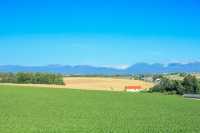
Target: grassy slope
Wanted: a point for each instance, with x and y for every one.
(42, 110)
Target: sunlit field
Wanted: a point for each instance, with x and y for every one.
(50, 110)
(109, 84)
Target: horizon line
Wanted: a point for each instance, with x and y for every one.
(115, 66)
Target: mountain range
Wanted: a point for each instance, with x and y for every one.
(139, 68)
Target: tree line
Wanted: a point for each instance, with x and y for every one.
(190, 85)
(32, 78)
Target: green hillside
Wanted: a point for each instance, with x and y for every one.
(43, 110)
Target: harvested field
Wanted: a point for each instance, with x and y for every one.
(93, 83)
(110, 84)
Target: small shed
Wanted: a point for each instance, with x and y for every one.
(133, 88)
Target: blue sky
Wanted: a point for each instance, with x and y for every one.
(99, 32)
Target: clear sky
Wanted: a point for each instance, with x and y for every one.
(99, 32)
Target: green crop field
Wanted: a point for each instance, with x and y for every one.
(43, 110)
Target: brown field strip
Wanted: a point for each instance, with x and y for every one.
(110, 84)
(93, 83)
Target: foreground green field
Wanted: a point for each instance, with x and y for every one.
(43, 110)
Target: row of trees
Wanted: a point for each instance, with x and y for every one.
(33, 78)
(190, 84)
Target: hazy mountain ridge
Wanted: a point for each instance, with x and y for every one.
(138, 68)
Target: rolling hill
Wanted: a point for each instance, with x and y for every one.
(139, 68)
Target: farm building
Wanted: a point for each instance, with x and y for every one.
(133, 88)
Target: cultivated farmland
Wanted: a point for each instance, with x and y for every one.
(46, 110)
(96, 83)
(93, 83)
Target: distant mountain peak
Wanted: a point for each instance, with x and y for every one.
(139, 68)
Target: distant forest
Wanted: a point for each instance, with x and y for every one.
(32, 78)
(189, 85)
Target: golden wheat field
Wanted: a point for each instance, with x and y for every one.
(98, 83)
(93, 83)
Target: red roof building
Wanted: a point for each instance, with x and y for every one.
(133, 88)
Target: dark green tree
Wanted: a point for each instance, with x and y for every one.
(191, 84)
